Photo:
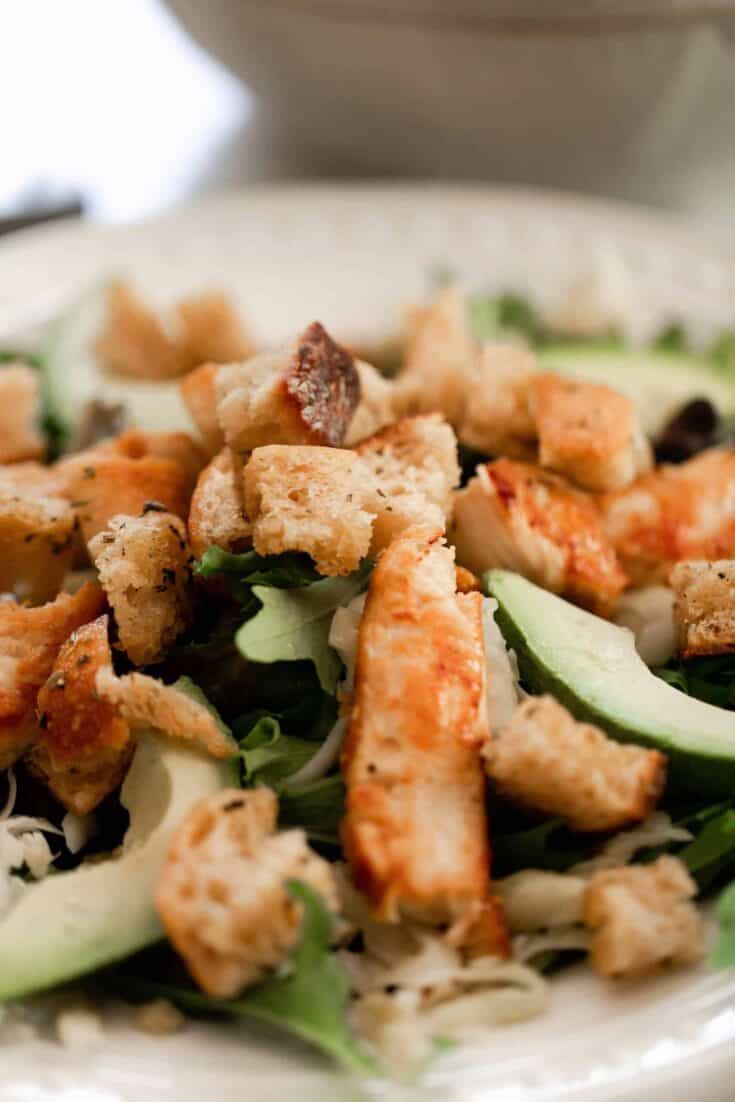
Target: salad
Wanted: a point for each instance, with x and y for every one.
(375, 697)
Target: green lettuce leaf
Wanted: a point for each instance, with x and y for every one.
(712, 853)
(711, 679)
(673, 338)
(308, 999)
(316, 806)
(294, 624)
(240, 572)
(268, 756)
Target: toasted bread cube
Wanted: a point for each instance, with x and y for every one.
(516, 516)
(211, 330)
(133, 341)
(179, 447)
(304, 394)
(104, 485)
(589, 433)
(146, 702)
(415, 832)
(377, 405)
(497, 418)
(546, 761)
(217, 512)
(30, 639)
(414, 463)
(440, 359)
(642, 919)
(85, 746)
(20, 414)
(309, 499)
(144, 565)
(38, 536)
(704, 611)
(199, 391)
(221, 893)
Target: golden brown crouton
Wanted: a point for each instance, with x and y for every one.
(497, 418)
(589, 433)
(674, 513)
(309, 499)
(179, 447)
(440, 358)
(305, 394)
(643, 919)
(221, 893)
(210, 330)
(414, 463)
(30, 639)
(546, 761)
(103, 485)
(133, 341)
(38, 535)
(144, 565)
(217, 512)
(704, 612)
(146, 702)
(199, 391)
(20, 414)
(376, 407)
(516, 516)
(85, 746)
(415, 832)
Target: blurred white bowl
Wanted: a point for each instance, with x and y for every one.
(630, 98)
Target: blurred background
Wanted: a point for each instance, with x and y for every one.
(122, 109)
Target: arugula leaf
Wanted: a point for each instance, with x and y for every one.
(268, 756)
(287, 571)
(309, 999)
(672, 338)
(294, 624)
(723, 954)
(316, 806)
(547, 845)
(490, 317)
(713, 850)
(711, 679)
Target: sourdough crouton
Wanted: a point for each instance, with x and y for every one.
(103, 485)
(199, 391)
(20, 414)
(38, 534)
(221, 893)
(414, 463)
(217, 512)
(304, 394)
(133, 341)
(546, 761)
(210, 330)
(85, 746)
(415, 832)
(674, 513)
(704, 612)
(497, 418)
(136, 343)
(179, 447)
(146, 702)
(440, 359)
(30, 639)
(144, 565)
(376, 407)
(516, 516)
(589, 433)
(642, 918)
(309, 499)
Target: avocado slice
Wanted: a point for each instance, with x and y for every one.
(74, 922)
(592, 667)
(660, 382)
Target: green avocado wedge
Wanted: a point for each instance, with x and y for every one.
(660, 382)
(592, 667)
(74, 922)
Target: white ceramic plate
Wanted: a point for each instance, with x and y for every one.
(351, 256)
